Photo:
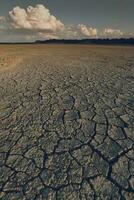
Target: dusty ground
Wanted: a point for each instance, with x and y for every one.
(66, 123)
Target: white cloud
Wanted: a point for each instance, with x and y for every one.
(78, 32)
(36, 18)
(87, 31)
(112, 33)
(38, 23)
(2, 18)
(48, 35)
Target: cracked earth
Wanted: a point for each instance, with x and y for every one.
(66, 122)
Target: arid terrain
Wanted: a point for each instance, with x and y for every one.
(66, 122)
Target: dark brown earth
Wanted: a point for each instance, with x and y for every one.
(66, 122)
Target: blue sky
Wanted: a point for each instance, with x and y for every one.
(99, 14)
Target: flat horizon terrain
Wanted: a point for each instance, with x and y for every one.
(66, 122)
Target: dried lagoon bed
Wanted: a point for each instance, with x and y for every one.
(66, 122)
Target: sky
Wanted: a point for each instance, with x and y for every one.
(29, 20)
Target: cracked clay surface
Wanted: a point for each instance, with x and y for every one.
(66, 123)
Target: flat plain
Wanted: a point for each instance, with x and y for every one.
(66, 122)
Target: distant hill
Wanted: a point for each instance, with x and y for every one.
(121, 41)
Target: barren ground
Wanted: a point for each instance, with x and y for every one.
(66, 122)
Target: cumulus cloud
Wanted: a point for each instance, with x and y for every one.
(2, 18)
(37, 22)
(87, 31)
(78, 32)
(112, 33)
(36, 18)
(48, 35)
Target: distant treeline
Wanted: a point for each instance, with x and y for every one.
(121, 41)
